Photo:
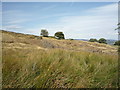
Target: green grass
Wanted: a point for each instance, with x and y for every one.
(55, 68)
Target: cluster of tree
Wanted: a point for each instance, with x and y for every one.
(117, 43)
(101, 40)
(58, 35)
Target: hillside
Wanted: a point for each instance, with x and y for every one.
(17, 40)
(31, 62)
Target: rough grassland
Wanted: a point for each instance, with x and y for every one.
(23, 41)
(29, 62)
(58, 68)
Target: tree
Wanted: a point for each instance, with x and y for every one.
(44, 33)
(71, 39)
(102, 40)
(59, 35)
(93, 40)
(117, 43)
(118, 28)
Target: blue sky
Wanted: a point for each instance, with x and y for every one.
(78, 20)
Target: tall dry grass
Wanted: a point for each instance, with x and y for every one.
(57, 68)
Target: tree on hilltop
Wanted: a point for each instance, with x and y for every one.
(59, 35)
(102, 40)
(44, 33)
(93, 40)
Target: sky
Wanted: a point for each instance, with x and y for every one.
(77, 20)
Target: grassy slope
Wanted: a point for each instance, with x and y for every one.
(30, 62)
(15, 40)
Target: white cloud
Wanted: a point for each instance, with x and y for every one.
(97, 23)
(112, 8)
(9, 27)
(14, 17)
(17, 21)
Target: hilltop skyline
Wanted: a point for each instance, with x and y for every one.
(76, 20)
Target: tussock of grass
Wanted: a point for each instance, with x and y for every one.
(57, 68)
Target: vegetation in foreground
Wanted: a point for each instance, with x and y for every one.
(56, 68)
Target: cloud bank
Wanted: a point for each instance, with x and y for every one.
(93, 23)
(98, 22)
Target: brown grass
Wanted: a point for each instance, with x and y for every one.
(56, 68)
(74, 45)
(50, 63)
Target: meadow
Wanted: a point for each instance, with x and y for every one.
(57, 68)
(31, 62)
(59, 44)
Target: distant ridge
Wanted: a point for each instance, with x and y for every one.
(109, 41)
(82, 39)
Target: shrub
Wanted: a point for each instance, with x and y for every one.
(51, 37)
(117, 43)
(102, 40)
(93, 40)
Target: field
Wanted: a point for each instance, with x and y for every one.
(31, 62)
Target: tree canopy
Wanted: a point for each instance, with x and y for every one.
(117, 43)
(59, 35)
(118, 28)
(44, 33)
(93, 40)
(102, 40)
